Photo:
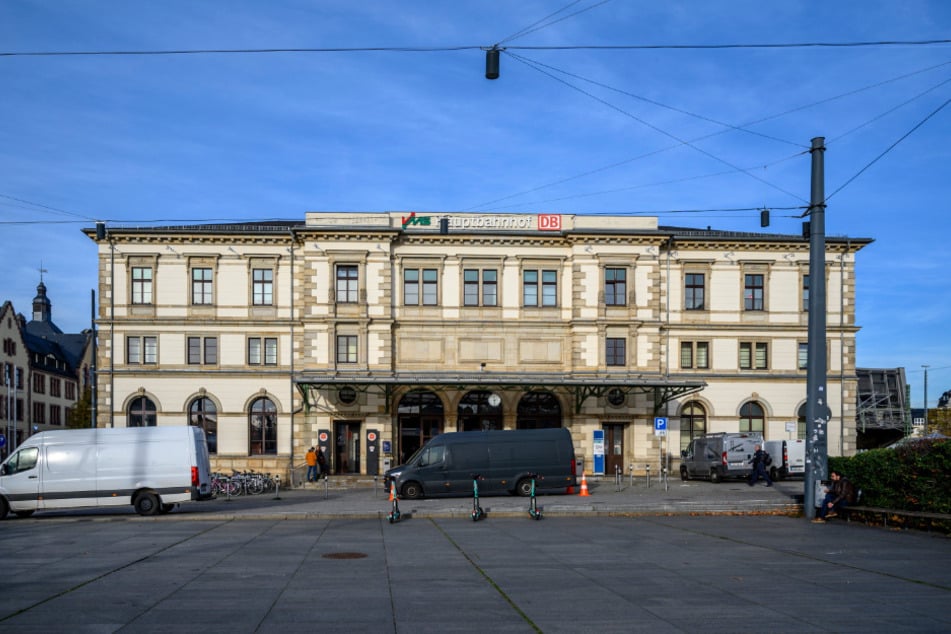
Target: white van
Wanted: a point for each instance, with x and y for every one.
(151, 468)
(789, 458)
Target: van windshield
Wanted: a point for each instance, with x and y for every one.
(23, 460)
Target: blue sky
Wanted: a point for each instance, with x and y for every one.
(148, 139)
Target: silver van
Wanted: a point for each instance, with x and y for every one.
(505, 459)
(719, 456)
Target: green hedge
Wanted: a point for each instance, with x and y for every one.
(913, 477)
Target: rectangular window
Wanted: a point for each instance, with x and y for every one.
(753, 291)
(150, 349)
(203, 350)
(347, 283)
(346, 348)
(39, 384)
(55, 386)
(805, 293)
(411, 287)
(547, 295)
(694, 287)
(56, 415)
(616, 351)
(430, 287)
(70, 390)
(471, 285)
(803, 356)
(262, 351)
(39, 413)
(615, 287)
(141, 285)
(133, 350)
(201, 287)
(754, 355)
(262, 291)
(694, 355)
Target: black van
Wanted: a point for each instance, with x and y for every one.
(504, 459)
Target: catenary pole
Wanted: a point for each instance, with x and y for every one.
(817, 406)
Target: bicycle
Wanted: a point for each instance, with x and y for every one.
(477, 512)
(533, 510)
(223, 485)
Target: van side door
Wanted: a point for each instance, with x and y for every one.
(20, 479)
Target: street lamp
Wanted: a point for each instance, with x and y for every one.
(924, 429)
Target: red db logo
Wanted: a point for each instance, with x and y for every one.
(549, 222)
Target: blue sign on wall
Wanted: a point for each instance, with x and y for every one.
(598, 452)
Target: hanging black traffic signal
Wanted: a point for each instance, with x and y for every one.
(764, 218)
(492, 63)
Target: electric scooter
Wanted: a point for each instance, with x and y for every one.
(394, 515)
(477, 512)
(533, 511)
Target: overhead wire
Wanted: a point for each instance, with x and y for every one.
(436, 49)
(529, 29)
(658, 129)
(889, 148)
(777, 115)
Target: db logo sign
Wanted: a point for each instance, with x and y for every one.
(549, 222)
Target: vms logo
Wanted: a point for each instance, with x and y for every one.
(413, 219)
(549, 222)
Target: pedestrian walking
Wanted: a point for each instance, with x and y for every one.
(760, 460)
(311, 459)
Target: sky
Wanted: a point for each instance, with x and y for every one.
(580, 121)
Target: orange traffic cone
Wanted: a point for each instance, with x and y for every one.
(392, 491)
(584, 486)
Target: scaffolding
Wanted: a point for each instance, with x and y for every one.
(882, 400)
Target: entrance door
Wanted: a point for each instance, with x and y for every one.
(613, 449)
(346, 447)
(416, 431)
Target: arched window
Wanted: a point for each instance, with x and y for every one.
(538, 410)
(801, 422)
(203, 413)
(752, 417)
(141, 412)
(693, 423)
(262, 428)
(420, 417)
(479, 411)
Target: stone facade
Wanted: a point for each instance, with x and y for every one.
(370, 332)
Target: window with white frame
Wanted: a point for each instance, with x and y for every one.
(480, 287)
(420, 286)
(348, 280)
(346, 348)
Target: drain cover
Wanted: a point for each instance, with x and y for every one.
(344, 555)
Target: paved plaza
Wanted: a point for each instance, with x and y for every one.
(328, 561)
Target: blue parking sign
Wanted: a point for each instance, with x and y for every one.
(660, 426)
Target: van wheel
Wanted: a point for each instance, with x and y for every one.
(774, 474)
(23, 513)
(714, 476)
(412, 491)
(683, 473)
(524, 487)
(147, 504)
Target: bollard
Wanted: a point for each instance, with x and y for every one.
(277, 487)
(326, 487)
(648, 476)
(663, 471)
(632, 475)
(376, 493)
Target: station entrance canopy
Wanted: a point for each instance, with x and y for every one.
(576, 387)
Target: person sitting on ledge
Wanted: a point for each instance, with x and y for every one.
(838, 496)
